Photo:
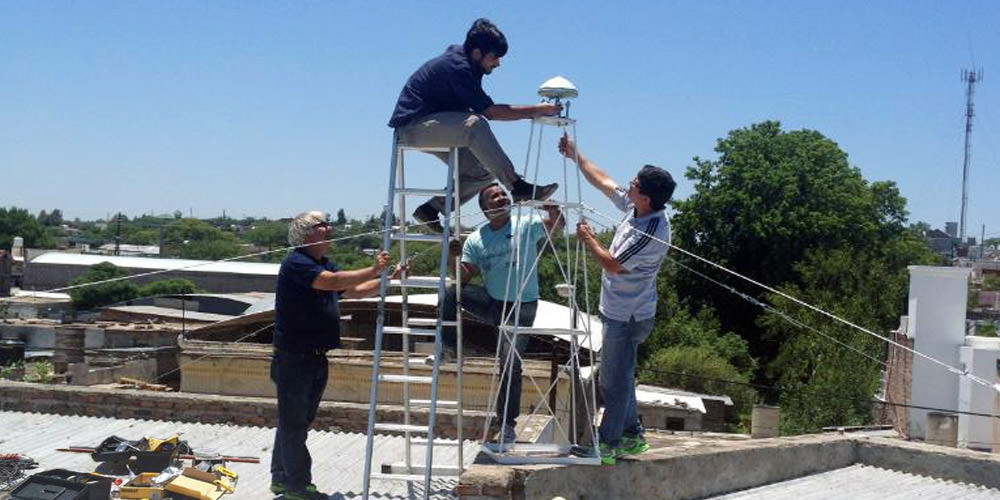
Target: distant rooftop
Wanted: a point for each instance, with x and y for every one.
(154, 264)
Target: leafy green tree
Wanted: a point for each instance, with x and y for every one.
(699, 369)
(771, 197)
(18, 222)
(196, 239)
(268, 234)
(168, 287)
(830, 377)
(341, 217)
(90, 297)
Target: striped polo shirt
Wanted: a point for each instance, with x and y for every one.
(638, 247)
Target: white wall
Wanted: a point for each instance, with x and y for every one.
(937, 323)
(980, 356)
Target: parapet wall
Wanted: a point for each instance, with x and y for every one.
(688, 473)
(209, 409)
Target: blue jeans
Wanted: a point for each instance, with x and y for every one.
(618, 359)
(301, 379)
(480, 304)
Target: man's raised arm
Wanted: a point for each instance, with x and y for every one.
(595, 176)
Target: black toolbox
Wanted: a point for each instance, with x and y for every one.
(61, 484)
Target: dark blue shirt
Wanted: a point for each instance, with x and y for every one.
(305, 319)
(449, 82)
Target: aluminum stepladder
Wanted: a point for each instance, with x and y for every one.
(577, 335)
(409, 471)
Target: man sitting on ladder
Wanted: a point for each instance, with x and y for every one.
(628, 291)
(488, 252)
(443, 105)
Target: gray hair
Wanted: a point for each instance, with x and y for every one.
(302, 224)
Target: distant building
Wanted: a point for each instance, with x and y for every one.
(940, 242)
(679, 410)
(130, 250)
(936, 326)
(951, 229)
(57, 269)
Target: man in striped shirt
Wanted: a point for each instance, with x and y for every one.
(628, 291)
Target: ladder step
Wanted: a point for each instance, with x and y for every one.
(440, 403)
(432, 238)
(399, 477)
(422, 192)
(555, 332)
(402, 330)
(427, 149)
(546, 203)
(401, 428)
(420, 282)
(423, 442)
(413, 469)
(413, 379)
(429, 322)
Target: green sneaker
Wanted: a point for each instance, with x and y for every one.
(634, 444)
(310, 493)
(609, 455)
(279, 489)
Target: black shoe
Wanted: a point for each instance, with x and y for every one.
(525, 191)
(429, 217)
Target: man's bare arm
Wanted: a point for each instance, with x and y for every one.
(604, 258)
(342, 280)
(594, 174)
(507, 112)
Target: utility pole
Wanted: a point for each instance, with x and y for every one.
(982, 244)
(118, 233)
(970, 78)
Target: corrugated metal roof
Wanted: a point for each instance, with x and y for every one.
(338, 458)
(201, 266)
(680, 394)
(864, 482)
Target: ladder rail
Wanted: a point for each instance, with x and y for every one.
(398, 191)
(404, 310)
(443, 270)
(459, 356)
(379, 322)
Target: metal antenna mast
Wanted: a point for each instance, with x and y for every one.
(970, 77)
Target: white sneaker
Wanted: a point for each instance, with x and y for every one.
(447, 356)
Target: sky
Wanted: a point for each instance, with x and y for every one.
(270, 108)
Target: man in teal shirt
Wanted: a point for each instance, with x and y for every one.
(489, 252)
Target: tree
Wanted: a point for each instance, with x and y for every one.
(196, 239)
(771, 197)
(90, 297)
(18, 222)
(168, 287)
(699, 369)
(341, 217)
(269, 234)
(55, 218)
(830, 377)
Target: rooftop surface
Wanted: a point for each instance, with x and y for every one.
(338, 458)
(864, 482)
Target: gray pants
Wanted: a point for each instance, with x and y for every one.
(480, 157)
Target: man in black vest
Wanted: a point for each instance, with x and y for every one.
(306, 326)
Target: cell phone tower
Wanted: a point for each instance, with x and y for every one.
(970, 78)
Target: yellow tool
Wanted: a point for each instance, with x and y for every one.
(225, 472)
(154, 444)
